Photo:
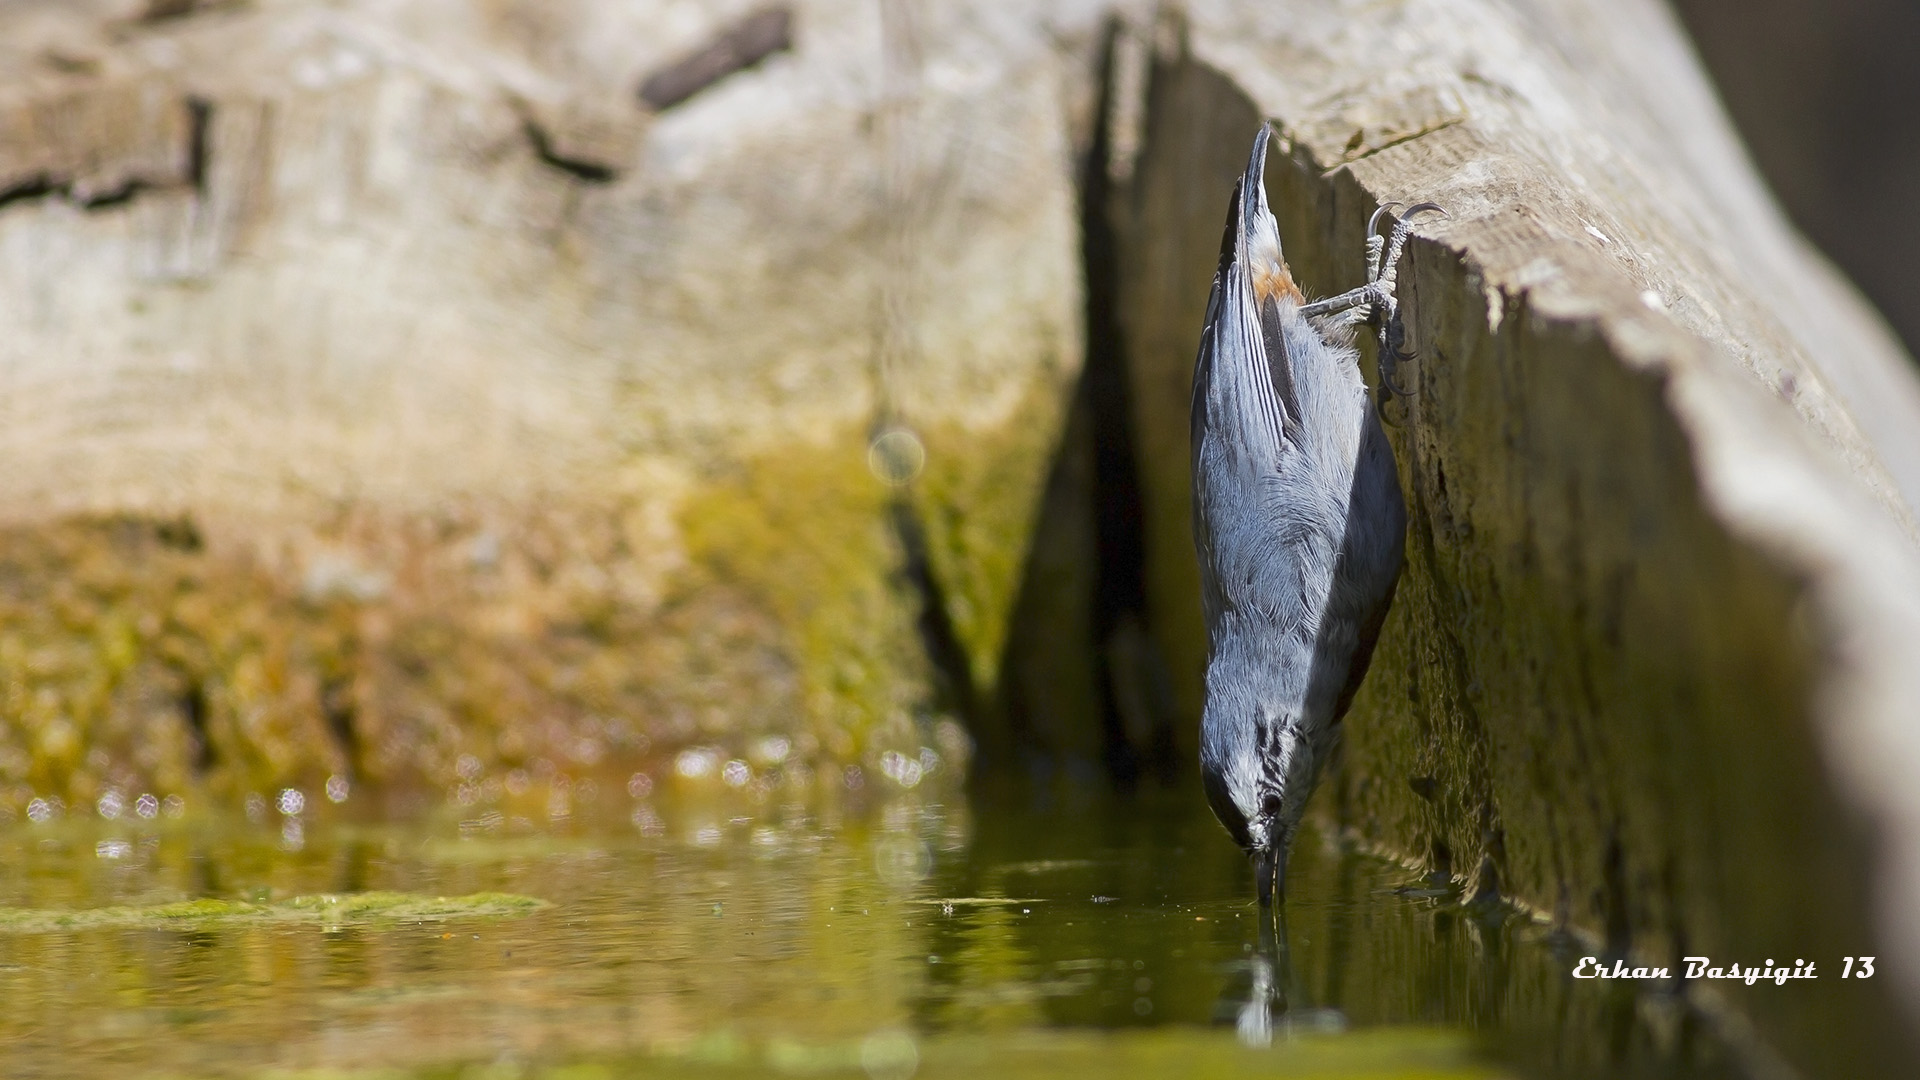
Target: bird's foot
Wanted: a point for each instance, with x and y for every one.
(1383, 269)
(1376, 303)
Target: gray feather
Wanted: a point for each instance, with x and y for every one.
(1298, 525)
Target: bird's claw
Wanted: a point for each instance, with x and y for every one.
(1386, 380)
(1376, 302)
(1383, 268)
(1373, 223)
(1375, 242)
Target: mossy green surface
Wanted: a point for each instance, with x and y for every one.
(139, 655)
(173, 656)
(804, 535)
(979, 501)
(1198, 1053)
(348, 909)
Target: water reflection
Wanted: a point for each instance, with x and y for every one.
(1263, 999)
(922, 937)
(1258, 1004)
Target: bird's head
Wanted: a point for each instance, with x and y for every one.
(1257, 768)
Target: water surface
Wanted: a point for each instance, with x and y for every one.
(1004, 936)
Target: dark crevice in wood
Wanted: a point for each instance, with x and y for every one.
(1129, 673)
(954, 687)
(37, 186)
(737, 48)
(194, 710)
(591, 172)
(87, 196)
(199, 142)
(338, 710)
(114, 196)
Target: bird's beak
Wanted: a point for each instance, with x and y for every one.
(1270, 873)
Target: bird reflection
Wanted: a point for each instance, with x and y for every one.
(1262, 1000)
(1260, 1005)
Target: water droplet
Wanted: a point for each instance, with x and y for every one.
(896, 456)
(696, 762)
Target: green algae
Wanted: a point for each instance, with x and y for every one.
(978, 499)
(137, 655)
(206, 659)
(1410, 1053)
(808, 535)
(1119, 941)
(813, 536)
(355, 909)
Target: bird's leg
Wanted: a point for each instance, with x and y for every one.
(1356, 305)
(1351, 307)
(1377, 302)
(1392, 333)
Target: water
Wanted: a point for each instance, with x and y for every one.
(1007, 937)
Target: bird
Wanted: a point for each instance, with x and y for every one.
(1298, 520)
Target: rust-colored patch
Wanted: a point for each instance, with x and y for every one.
(1272, 281)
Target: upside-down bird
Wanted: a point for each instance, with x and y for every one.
(1297, 518)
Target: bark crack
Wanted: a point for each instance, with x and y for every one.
(112, 191)
(591, 172)
(1359, 152)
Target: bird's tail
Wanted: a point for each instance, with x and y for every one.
(1252, 237)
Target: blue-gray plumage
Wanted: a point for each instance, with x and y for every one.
(1297, 518)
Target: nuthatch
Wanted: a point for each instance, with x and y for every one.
(1297, 519)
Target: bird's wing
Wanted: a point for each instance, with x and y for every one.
(1242, 413)
(1375, 554)
(1363, 652)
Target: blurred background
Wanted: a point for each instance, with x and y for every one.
(1827, 97)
